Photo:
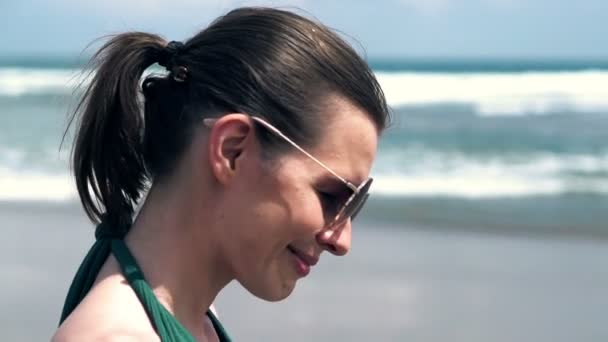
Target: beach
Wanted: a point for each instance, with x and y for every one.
(399, 283)
(487, 219)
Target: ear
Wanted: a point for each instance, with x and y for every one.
(229, 139)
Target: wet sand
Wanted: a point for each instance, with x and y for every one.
(399, 283)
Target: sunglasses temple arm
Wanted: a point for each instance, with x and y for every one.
(209, 122)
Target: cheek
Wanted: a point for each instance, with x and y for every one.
(290, 207)
(305, 212)
(274, 209)
(261, 261)
(263, 264)
(257, 235)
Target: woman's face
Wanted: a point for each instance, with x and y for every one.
(277, 228)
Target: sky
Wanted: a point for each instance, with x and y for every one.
(553, 29)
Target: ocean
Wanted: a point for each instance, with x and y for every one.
(481, 140)
(487, 221)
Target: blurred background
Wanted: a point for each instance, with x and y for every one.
(489, 215)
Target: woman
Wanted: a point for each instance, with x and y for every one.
(256, 147)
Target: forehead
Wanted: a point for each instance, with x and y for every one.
(349, 141)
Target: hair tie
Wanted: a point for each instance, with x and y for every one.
(167, 59)
(169, 53)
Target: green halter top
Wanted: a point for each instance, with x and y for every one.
(109, 240)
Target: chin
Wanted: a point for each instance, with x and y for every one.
(271, 282)
(272, 291)
(283, 293)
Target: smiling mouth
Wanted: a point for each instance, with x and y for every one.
(302, 262)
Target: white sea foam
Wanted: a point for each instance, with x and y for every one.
(481, 183)
(414, 173)
(25, 81)
(514, 93)
(19, 185)
(501, 93)
(425, 173)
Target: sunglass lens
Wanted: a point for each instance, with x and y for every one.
(356, 203)
(358, 209)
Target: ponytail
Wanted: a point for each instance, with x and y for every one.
(283, 75)
(107, 156)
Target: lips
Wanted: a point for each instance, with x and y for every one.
(308, 259)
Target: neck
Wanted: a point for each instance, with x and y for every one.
(179, 257)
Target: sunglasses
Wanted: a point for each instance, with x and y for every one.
(350, 207)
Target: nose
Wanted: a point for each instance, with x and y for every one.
(336, 240)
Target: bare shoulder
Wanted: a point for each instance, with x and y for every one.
(111, 311)
(114, 336)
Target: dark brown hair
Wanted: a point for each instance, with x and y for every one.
(265, 62)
